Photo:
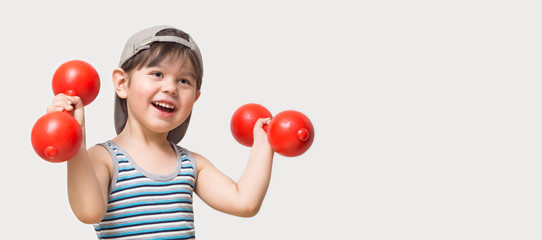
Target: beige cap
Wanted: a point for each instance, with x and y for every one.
(140, 41)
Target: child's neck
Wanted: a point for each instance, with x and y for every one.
(155, 155)
(137, 135)
(155, 141)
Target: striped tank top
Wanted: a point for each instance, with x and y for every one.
(142, 205)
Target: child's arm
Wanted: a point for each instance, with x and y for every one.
(88, 180)
(243, 198)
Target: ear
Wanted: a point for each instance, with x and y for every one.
(120, 82)
(198, 93)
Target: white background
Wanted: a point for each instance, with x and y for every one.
(427, 113)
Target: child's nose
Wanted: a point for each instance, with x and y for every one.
(169, 87)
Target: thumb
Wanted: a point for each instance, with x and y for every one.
(78, 111)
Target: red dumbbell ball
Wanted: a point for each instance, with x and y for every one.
(56, 137)
(290, 133)
(77, 78)
(243, 121)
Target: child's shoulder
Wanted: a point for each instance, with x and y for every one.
(98, 150)
(200, 160)
(100, 154)
(190, 154)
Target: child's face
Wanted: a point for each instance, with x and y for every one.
(160, 98)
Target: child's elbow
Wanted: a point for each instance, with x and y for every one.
(89, 216)
(89, 219)
(249, 210)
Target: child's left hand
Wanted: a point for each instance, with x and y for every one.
(260, 135)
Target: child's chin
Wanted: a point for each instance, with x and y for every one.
(162, 129)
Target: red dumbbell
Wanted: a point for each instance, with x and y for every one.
(56, 136)
(290, 133)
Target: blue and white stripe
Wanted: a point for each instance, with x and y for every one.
(143, 205)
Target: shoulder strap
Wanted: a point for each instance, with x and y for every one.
(115, 160)
(192, 161)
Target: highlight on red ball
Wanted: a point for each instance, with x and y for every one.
(56, 136)
(290, 133)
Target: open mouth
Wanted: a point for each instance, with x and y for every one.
(164, 107)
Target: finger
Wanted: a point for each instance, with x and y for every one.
(76, 101)
(63, 102)
(60, 99)
(54, 109)
(264, 121)
(262, 124)
(60, 104)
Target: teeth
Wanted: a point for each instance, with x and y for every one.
(161, 104)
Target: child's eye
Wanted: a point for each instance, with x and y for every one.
(157, 74)
(184, 81)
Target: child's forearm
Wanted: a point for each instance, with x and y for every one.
(254, 182)
(244, 197)
(84, 192)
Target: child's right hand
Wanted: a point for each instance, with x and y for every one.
(260, 135)
(72, 104)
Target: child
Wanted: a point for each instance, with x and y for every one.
(139, 185)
